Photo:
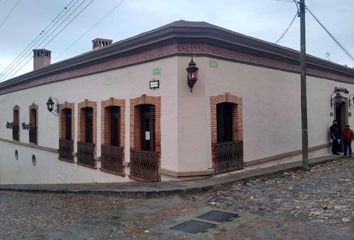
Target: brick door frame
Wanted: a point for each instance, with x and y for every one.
(134, 118)
(237, 116)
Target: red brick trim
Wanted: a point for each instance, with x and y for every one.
(236, 115)
(180, 49)
(81, 121)
(62, 129)
(134, 119)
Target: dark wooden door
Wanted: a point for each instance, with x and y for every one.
(148, 127)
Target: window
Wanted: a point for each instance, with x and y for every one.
(112, 136)
(67, 119)
(88, 121)
(226, 133)
(66, 143)
(87, 134)
(113, 113)
(16, 123)
(33, 131)
(224, 122)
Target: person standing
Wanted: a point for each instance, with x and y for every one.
(347, 136)
(335, 136)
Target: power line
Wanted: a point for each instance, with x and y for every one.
(331, 35)
(56, 34)
(287, 29)
(45, 36)
(9, 14)
(20, 57)
(92, 27)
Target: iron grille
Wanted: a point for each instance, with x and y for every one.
(229, 156)
(145, 165)
(33, 135)
(15, 133)
(66, 149)
(85, 153)
(111, 159)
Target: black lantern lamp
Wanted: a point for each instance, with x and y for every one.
(51, 105)
(192, 74)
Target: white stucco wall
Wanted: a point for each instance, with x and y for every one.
(125, 83)
(271, 110)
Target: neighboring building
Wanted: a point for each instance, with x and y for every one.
(125, 110)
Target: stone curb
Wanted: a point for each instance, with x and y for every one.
(163, 189)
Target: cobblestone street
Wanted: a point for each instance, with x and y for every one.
(291, 205)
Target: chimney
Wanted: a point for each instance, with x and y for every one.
(41, 58)
(100, 42)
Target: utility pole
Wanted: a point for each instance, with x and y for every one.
(305, 152)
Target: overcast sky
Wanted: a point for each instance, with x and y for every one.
(263, 19)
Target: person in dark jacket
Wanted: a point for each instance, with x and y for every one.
(347, 136)
(335, 136)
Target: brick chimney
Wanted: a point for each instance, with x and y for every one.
(41, 58)
(100, 42)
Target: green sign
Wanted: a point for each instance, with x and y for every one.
(213, 64)
(156, 71)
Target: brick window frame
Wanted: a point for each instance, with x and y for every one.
(15, 109)
(62, 126)
(237, 127)
(135, 118)
(32, 107)
(81, 123)
(112, 102)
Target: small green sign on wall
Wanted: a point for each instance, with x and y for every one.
(213, 63)
(156, 71)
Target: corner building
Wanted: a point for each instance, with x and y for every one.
(124, 111)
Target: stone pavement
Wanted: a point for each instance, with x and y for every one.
(159, 189)
(318, 204)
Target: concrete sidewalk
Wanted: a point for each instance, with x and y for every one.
(160, 189)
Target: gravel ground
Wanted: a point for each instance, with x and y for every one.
(291, 205)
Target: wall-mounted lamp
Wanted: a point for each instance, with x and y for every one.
(26, 126)
(10, 125)
(52, 106)
(192, 74)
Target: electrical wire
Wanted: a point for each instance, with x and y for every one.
(331, 35)
(57, 34)
(20, 57)
(92, 27)
(41, 40)
(287, 29)
(9, 14)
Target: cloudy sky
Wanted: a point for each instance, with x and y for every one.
(22, 21)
